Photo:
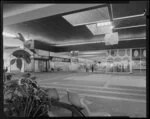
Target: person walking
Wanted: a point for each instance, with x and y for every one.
(52, 66)
(86, 67)
(92, 67)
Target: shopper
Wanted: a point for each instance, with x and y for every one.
(92, 66)
(52, 66)
(86, 67)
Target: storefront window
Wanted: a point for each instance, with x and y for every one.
(121, 52)
(139, 60)
(119, 62)
(128, 52)
(114, 52)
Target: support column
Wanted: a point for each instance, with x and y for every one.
(130, 60)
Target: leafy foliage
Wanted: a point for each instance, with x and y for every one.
(28, 60)
(12, 61)
(24, 98)
(20, 54)
(19, 63)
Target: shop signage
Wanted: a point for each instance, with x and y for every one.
(59, 59)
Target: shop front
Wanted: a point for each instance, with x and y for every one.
(119, 60)
(59, 63)
(139, 60)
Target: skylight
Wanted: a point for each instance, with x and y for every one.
(100, 28)
(88, 17)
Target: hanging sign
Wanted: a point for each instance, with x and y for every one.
(111, 38)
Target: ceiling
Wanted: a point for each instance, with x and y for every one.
(88, 16)
(12, 9)
(53, 29)
(70, 26)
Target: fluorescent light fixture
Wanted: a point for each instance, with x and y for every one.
(90, 52)
(9, 35)
(104, 23)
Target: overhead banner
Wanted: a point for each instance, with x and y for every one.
(111, 38)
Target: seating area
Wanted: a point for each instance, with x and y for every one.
(74, 103)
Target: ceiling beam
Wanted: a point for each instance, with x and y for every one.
(93, 42)
(143, 25)
(127, 17)
(44, 11)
